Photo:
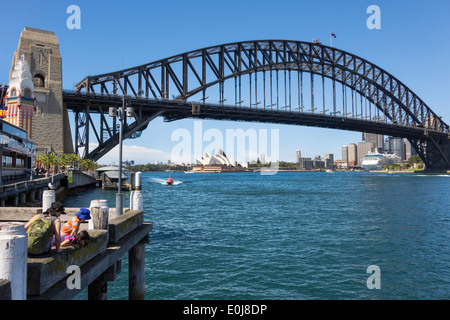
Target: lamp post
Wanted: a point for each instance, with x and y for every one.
(119, 195)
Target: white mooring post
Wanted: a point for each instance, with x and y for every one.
(13, 258)
(48, 197)
(136, 201)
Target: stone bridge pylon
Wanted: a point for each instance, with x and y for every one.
(51, 127)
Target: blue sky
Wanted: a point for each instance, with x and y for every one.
(412, 44)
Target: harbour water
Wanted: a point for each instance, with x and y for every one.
(291, 236)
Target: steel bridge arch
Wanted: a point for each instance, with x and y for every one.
(192, 73)
(392, 97)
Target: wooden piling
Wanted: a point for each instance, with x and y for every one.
(136, 272)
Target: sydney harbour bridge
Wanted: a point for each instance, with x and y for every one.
(268, 81)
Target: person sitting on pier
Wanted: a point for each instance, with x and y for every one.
(43, 229)
(73, 225)
(81, 239)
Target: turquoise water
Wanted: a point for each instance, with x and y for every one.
(291, 235)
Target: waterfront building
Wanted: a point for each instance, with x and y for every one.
(217, 163)
(319, 162)
(306, 164)
(329, 160)
(17, 153)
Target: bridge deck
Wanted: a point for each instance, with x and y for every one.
(180, 109)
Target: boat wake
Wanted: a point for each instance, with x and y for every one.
(164, 181)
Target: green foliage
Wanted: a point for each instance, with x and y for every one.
(156, 167)
(50, 160)
(414, 162)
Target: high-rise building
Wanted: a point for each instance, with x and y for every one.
(376, 139)
(345, 156)
(329, 160)
(262, 158)
(352, 155)
(306, 164)
(397, 147)
(298, 155)
(386, 145)
(319, 162)
(364, 148)
(409, 150)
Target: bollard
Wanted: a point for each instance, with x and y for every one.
(98, 204)
(48, 197)
(137, 201)
(137, 181)
(13, 258)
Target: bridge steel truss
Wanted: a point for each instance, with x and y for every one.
(275, 90)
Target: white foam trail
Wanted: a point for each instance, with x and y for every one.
(164, 181)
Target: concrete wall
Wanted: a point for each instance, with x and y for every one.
(80, 179)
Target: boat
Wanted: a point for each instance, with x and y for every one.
(169, 181)
(377, 161)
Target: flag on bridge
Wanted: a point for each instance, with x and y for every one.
(333, 35)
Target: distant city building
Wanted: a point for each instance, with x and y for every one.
(298, 155)
(262, 158)
(365, 148)
(352, 155)
(318, 162)
(329, 160)
(386, 145)
(397, 147)
(339, 164)
(376, 139)
(409, 150)
(345, 156)
(306, 164)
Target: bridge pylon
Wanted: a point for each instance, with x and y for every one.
(51, 127)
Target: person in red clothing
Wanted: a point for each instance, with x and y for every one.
(73, 225)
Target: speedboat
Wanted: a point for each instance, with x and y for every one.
(169, 181)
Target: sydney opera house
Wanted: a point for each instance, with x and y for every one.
(217, 163)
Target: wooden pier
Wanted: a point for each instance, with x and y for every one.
(62, 275)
